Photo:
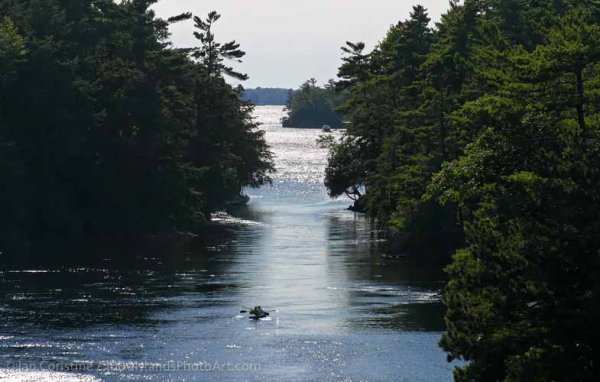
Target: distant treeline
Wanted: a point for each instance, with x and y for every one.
(313, 106)
(106, 129)
(267, 96)
(483, 134)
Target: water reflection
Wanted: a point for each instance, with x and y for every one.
(381, 293)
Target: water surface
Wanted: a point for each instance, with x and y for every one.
(342, 310)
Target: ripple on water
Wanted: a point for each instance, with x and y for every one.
(407, 294)
(13, 375)
(226, 219)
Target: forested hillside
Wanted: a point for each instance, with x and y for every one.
(313, 106)
(106, 129)
(482, 133)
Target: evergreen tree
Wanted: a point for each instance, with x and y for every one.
(237, 155)
(522, 296)
(213, 54)
(312, 107)
(502, 96)
(101, 121)
(13, 193)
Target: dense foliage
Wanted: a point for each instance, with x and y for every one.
(312, 106)
(267, 96)
(488, 125)
(106, 129)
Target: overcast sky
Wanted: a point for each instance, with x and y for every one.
(289, 41)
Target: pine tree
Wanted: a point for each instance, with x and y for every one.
(312, 106)
(227, 146)
(522, 295)
(213, 54)
(100, 116)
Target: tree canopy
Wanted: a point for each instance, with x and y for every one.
(312, 106)
(107, 129)
(481, 135)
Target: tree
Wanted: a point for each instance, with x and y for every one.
(212, 54)
(107, 131)
(14, 192)
(571, 50)
(227, 146)
(494, 115)
(522, 295)
(312, 107)
(12, 49)
(345, 173)
(355, 67)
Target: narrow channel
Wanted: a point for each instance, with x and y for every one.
(341, 309)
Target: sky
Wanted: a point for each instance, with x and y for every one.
(290, 41)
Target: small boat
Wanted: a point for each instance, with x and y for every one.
(256, 313)
(326, 128)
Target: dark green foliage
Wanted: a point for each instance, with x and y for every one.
(489, 126)
(346, 172)
(356, 65)
(312, 107)
(391, 119)
(240, 157)
(212, 54)
(14, 190)
(523, 295)
(101, 122)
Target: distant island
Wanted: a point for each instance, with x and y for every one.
(267, 96)
(312, 107)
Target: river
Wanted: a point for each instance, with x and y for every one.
(341, 309)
